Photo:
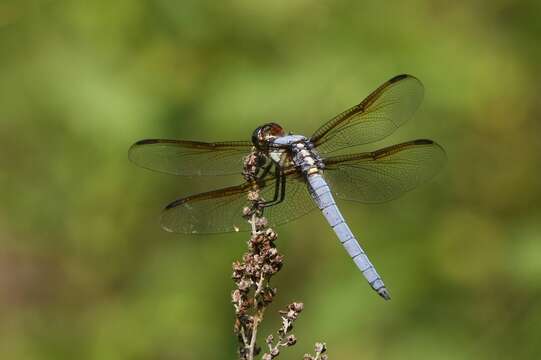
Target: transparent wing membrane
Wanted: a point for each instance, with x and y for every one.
(385, 174)
(180, 157)
(376, 117)
(368, 177)
(212, 212)
(221, 210)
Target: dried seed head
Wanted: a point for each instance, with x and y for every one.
(253, 195)
(244, 284)
(267, 269)
(291, 340)
(246, 211)
(296, 306)
(271, 235)
(320, 348)
(292, 315)
(236, 296)
(267, 295)
(261, 223)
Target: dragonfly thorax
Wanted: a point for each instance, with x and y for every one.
(287, 150)
(299, 150)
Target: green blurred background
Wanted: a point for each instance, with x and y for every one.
(87, 273)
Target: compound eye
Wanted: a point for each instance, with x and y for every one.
(276, 130)
(263, 133)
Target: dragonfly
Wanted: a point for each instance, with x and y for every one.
(299, 174)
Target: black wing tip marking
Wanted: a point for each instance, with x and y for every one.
(429, 142)
(174, 204)
(401, 77)
(163, 223)
(398, 78)
(422, 142)
(136, 144)
(147, 141)
(156, 141)
(132, 151)
(389, 150)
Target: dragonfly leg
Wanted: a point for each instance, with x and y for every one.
(259, 177)
(277, 185)
(266, 170)
(282, 188)
(279, 189)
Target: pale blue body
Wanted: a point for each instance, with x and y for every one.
(305, 160)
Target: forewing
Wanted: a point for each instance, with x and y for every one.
(179, 157)
(220, 211)
(385, 174)
(376, 117)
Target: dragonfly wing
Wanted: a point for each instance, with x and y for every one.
(376, 117)
(385, 174)
(215, 211)
(220, 211)
(179, 157)
(298, 202)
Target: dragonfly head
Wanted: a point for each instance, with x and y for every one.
(266, 133)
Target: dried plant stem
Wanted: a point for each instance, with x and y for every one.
(252, 276)
(251, 348)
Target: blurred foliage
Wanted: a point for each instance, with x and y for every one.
(86, 272)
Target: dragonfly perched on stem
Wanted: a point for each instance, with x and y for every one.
(298, 173)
